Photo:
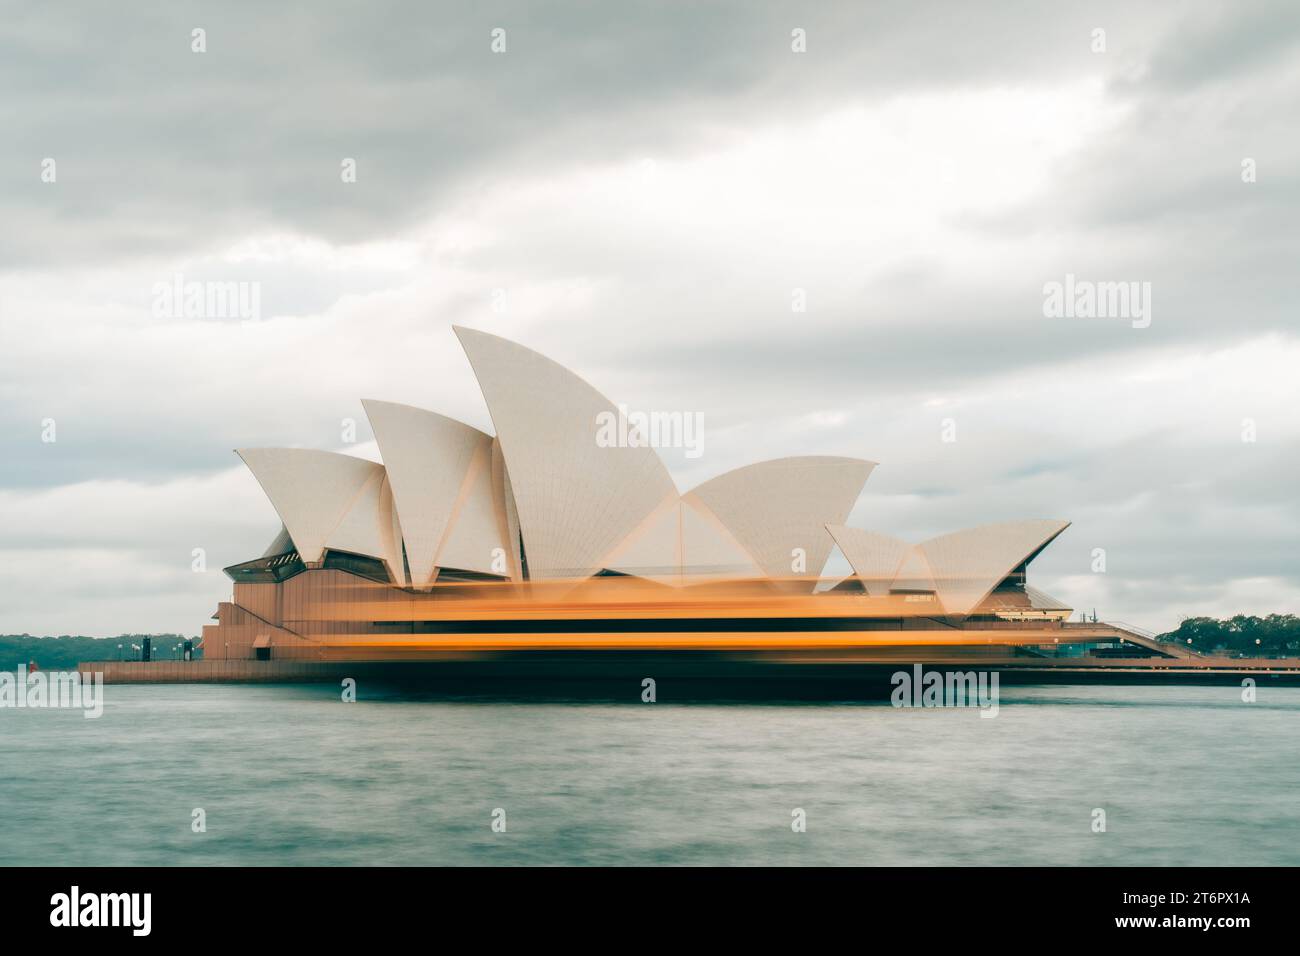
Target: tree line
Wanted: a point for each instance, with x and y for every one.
(1245, 635)
(65, 652)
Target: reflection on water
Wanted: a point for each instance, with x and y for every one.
(293, 775)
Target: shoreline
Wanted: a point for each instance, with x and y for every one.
(676, 676)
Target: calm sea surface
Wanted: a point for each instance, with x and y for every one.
(293, 775)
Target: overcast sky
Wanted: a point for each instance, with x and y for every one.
(637, 191)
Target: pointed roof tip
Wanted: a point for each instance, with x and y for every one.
(298, 452)
(467, 336)
(372, 405)
(463, 330)
(1060, 523)
(481, 338)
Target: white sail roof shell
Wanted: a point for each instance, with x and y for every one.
(474, 539)
(876, 558)
(968, 564)
(507, 513)
(429, 459)
(773, 507)
(682, 542)
(576, 500)
(652, 549)
(915, 573)
(545, 494)
(961, 568)
(709, 549)
(325, 500)
(370, 526)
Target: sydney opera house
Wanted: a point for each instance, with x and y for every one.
(542, 537)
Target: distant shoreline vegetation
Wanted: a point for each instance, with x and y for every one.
(1244, 635)
(66, 651)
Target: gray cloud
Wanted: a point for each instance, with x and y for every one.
(479, 172)
(160, 148)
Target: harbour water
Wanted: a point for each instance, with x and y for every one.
(294, 775)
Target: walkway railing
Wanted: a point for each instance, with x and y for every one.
(1133, 629)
